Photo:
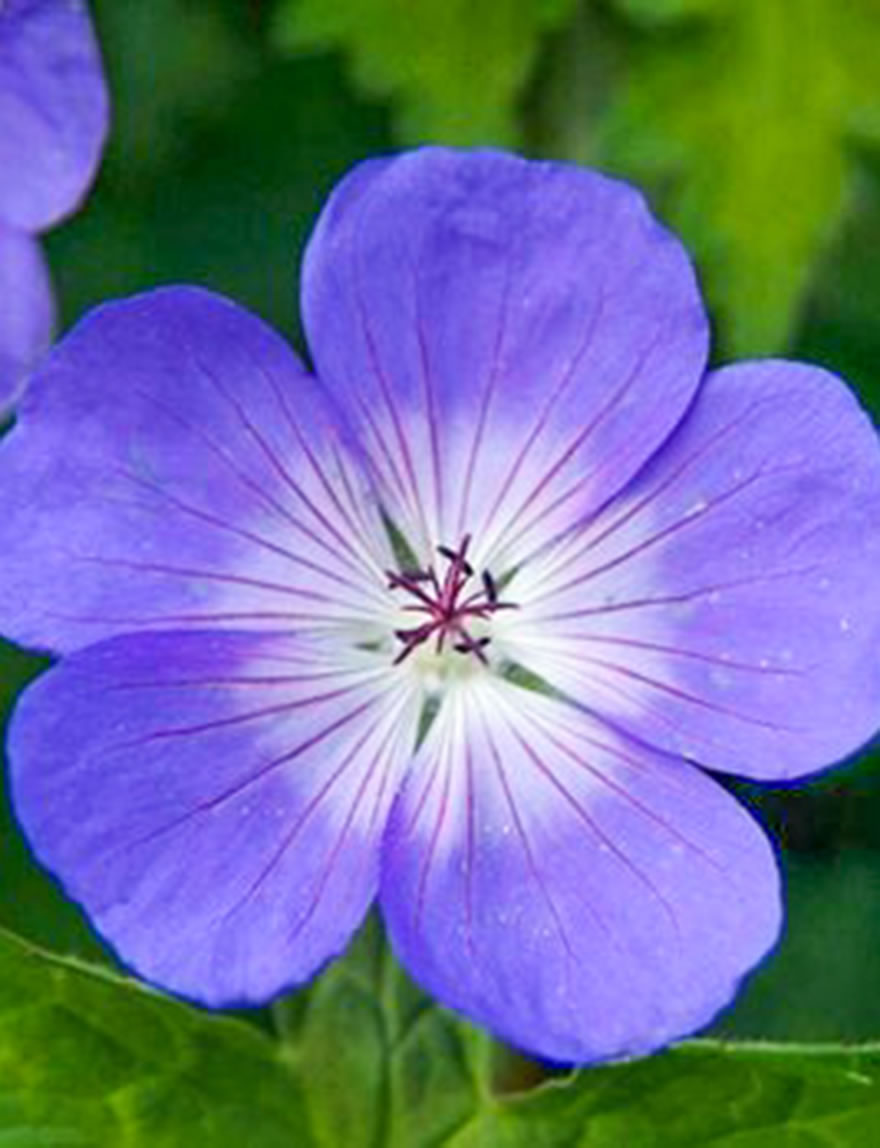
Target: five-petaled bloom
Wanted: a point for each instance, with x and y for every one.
(53, 120)
(303, 618)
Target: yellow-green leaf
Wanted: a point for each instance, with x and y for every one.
(741, 124)
(453, 68)
(91, 1060)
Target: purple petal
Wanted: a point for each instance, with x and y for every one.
(512, 340)
(53, 110)
(580, 895)
(726, 607)
(27, 314)
(214, 801)
(172, 466)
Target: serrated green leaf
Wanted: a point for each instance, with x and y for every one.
(453, 68)
(741, 125)
(91, 1060)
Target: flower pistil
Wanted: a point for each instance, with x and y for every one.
(449, 612)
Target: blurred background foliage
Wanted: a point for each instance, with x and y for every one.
(753, 126)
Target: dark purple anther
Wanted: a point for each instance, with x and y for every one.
(449, 614)
(489, 587)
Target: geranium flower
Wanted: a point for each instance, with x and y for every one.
(455, 623)
(53, 121)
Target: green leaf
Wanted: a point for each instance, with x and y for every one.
(453, 68)
(90, 1060)
(661, 11)
(741, 123)
(385, 1065)
(700, 1094)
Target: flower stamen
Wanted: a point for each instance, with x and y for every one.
(449, 615)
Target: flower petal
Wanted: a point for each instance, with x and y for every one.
(214, 801)
(726, 606)
(173, 466)
(53, 109)
(511, 339)
(28, 311)
(582, 896)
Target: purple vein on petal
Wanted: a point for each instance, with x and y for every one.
(469, 846)
(606, 841)
(429, 399)
(533, 868)
(221, 681)
(684, 598)
(379, 803)
(314, 804)
(358, 503)
(379, 756)
(275, 710)
(419, 806)
(668, 531)
(599, 775)
(544, 416)
(633, 764)
(669, 482)
(444, 758)
(228, 527)
(359, 530)
(211, 804)
(694, 655)
(489, 389)
(676, 692)
(684, 734)
(284, 474)
(208, 618)
(263, 495)
(208, 575)
(387, 394)
(385, 449)
(583, 436)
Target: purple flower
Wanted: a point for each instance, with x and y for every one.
(226, 769)
(53, 120)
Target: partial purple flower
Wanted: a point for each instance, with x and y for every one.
(53, 121)
(302, 618)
